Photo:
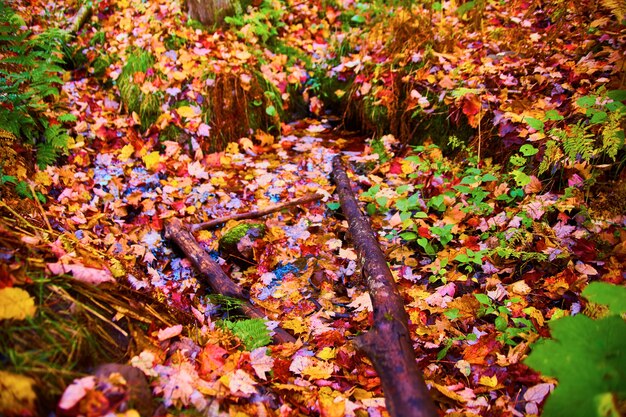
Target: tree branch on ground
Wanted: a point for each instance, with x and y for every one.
(387, 344)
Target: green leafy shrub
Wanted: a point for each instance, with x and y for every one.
(587, 357)
(30, 68)
(146, 104)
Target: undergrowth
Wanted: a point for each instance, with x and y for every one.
(30, 68)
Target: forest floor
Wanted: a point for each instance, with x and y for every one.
(487, 251)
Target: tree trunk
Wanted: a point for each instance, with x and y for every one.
(210, 12)
(387, 344)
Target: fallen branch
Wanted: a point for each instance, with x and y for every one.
(83, 14)
(217, 279)
(256, 213)
(387, 343)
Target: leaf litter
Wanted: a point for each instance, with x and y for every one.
(485, 261)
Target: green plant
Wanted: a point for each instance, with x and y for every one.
(259, 24)
(22, 188)
(137, 71)
(29, 79)
(587, 357)
(510, 328)
(253, 333)
(596, 138)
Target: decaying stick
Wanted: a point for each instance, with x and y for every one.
(387, 343)
(83, 14)
(256, 213)
(217, 279)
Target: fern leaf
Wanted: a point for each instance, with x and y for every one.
(46, 155)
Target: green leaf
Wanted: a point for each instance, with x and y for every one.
(408, 236)
(598, 117)
(453, 313)
(520, 178)
(465, 7)
(357, 18)
(586, 101)
(402, 188)
(553, 115)
(483, 299)
(528, 150)
(613, 296)
(534, 123)
(588, 359)
(333, 206)
(271, 111)
(617, 95)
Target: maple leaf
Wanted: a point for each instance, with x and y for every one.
(240, 383)
(261, 362)
(196, 169)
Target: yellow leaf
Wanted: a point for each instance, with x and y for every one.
(327, 353)
(489, 381)
(295, 324)
(179, 75)
(243, 55)
(15, 303)
(43, 178)
(188, 112)
(151, 159)
(232, 148)
(125, 153)
(16, 394)
(321, 370)
(264, 138)
(246, 143)
(331, 403)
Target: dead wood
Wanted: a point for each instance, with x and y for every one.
(387, 343)
(83, 14)
(256, 213)
(217, 279)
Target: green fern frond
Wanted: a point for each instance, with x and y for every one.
(612, 135)
(253, 333)
(551, 156)
(46, 154)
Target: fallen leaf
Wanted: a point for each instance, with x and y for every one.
(15, 303)
(81, 273)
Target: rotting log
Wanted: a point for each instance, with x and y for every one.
(217, 279)
(256, 213)
(387, 343)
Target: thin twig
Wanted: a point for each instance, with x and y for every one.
(256, 213)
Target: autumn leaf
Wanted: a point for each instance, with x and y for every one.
(81, 273)
(188, 112)
(17, 396)
(15, 303)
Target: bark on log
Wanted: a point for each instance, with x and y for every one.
(256, 213)
(216, 278)
(83, 14)
(387, 343)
